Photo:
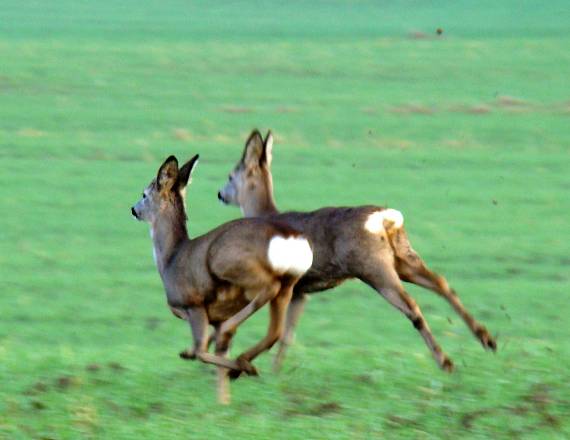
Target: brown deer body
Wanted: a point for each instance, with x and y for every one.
(365, 242)
(224, 276)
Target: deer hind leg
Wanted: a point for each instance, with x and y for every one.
(277, 313)
(212, 338)
(412, 268)
(294, 312)
(389, 286)
(228, 327)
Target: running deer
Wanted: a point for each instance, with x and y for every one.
(220, 278)
(364, 242)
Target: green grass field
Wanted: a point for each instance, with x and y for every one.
(467, 134)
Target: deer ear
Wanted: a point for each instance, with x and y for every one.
(167, 173)
(267, 155)
(253, 149)
(185, 173)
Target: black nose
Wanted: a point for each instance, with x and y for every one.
(220, 198)
(134, 213)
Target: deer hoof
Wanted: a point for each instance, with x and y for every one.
(246, 366)
(234, 374)
(486, 339)
(447, 365)
(187, 354)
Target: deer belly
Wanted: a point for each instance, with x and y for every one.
(228, 301)
(309, 284)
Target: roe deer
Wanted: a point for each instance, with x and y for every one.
(224, 276)
(364, 242)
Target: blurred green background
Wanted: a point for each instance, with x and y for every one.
(467, 133)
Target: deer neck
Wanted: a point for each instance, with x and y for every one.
(262, 204)
(259, 208)
(168, 233)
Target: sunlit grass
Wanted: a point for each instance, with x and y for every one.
(466, 134)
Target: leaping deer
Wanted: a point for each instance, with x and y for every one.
(365, 242)
(220, 278)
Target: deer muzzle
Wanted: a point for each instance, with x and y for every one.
(221, 198)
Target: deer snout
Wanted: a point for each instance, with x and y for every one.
(221, 197)
(134, 213)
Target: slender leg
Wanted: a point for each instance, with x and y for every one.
(183, 314)
(228, 327)
(294, 312)
(199, 324)
(390, 287)
(415, 271)
(223, 385)
(212, 338)
(277, 312)
(412, 268)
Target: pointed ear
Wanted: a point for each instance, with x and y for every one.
(267, 155)
(253, 149)
(185, 173)
(167, 173)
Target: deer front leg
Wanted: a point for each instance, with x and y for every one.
(294, 312)
(223, 384)
(198, 320)
(188, 354)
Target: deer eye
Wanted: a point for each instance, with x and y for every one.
(231, 178)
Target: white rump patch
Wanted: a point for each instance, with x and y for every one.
(291, 255)
(375, 222)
